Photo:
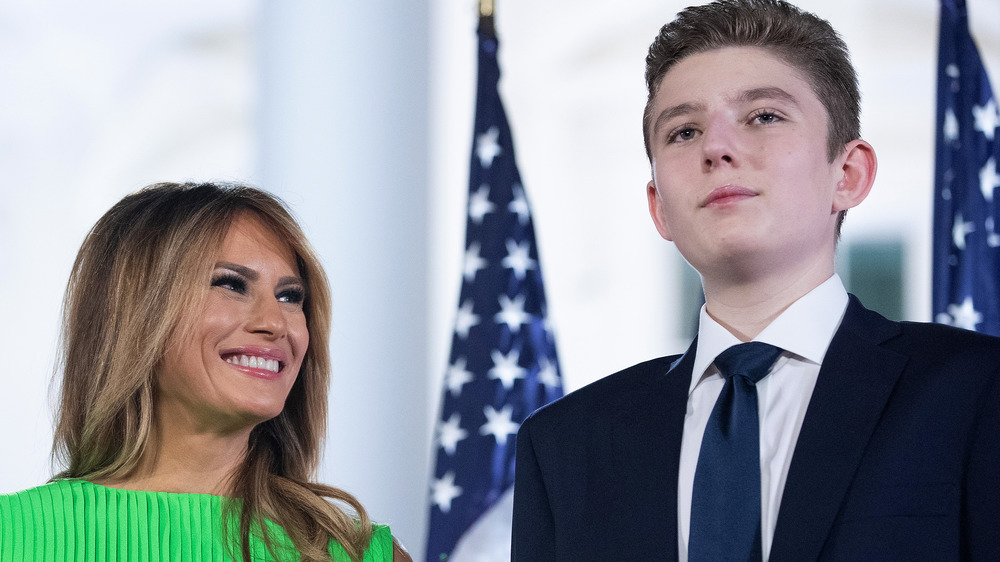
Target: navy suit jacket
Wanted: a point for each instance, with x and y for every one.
(898, 457)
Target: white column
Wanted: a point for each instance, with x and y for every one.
(343, 138)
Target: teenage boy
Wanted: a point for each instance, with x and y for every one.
(837, 434)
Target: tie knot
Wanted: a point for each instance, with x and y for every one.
(751, 360)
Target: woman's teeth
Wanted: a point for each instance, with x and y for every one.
(255, 362)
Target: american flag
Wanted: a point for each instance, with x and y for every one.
(966, 229)
(503, 361)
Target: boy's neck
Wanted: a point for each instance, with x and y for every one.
(745, 308)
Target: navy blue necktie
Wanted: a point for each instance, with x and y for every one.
(725, 501)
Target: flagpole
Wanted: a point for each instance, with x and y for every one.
(486, 26)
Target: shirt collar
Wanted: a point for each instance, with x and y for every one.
(805, 328)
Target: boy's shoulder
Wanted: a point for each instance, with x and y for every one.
(606, 395)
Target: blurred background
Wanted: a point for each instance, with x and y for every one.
(359, 115)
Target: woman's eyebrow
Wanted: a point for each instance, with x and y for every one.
(252, 274)
(290, 280)
(241, 269)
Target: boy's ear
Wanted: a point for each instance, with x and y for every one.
(859, 169)
(656, 211)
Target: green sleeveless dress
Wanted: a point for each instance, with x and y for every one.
(76, 520)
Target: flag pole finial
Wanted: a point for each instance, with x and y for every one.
(486, 8)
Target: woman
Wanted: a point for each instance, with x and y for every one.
(193, 405)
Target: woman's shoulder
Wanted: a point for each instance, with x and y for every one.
(381, 548)
(54, 513)
(82, 494)
(74, 516)
(36, 508)
(33, 518)
(44, 488)
(45, 496)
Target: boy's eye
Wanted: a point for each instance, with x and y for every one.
(765, 117)
(230, 282)
(681, 135)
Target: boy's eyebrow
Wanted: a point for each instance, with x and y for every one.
(769, 92)
(670, 112)
(745, 96)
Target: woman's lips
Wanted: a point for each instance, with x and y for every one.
(256, 361)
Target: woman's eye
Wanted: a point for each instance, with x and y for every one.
(293, 296)
(230, 282)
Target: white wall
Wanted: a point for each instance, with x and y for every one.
(97, 100)
(360, 115)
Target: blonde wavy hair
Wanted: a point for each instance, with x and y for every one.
(146, 262)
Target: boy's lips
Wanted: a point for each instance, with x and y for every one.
(727, 194)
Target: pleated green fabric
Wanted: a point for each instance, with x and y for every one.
(75, 520)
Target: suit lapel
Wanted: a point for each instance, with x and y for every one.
(647, 440)
(854, 384)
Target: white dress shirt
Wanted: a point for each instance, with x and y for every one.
(804, 331)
